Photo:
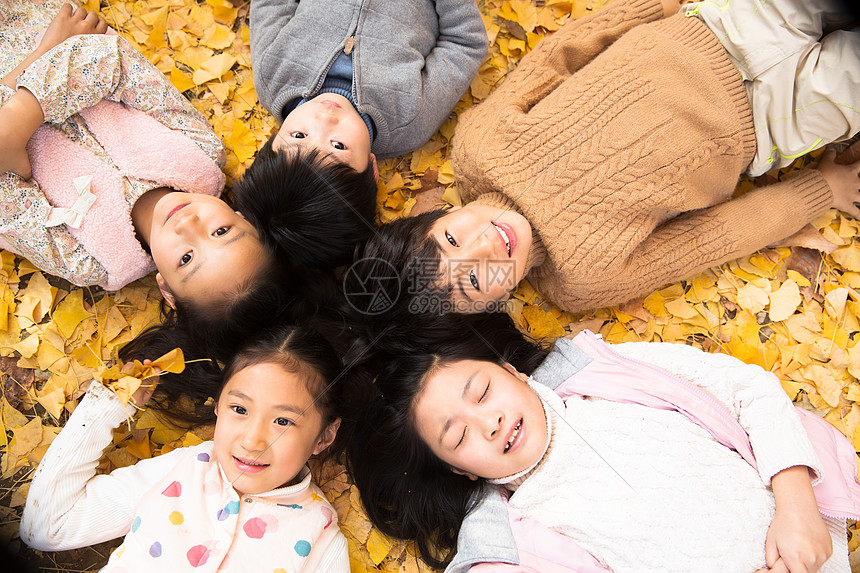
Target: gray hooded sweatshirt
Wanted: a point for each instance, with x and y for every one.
(412, 59)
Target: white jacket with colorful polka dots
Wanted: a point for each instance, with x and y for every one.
(178, 511)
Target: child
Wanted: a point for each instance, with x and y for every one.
(604, 166)
(117, 122)
(243, 501)
(611, 462)
(358, 80)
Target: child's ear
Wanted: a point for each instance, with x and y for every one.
(327, 436)
(375, 167)
(507, 366)
(165, 290)
(469, 475)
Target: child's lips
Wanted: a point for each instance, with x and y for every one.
(329, 103)
(515, 436)
(175, 210)
(247, 466)
(511, 243)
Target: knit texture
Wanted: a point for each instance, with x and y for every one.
(621, 139)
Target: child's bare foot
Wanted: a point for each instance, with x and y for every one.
(71, 22)
(844, 181)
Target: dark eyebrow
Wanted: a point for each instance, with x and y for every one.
(240, 394)
(195, 268)
(447, 424)
(189, 274)
(287, 407)
(291, 408)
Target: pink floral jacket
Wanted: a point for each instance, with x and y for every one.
(115, 128)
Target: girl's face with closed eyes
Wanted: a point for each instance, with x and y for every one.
(481, 419)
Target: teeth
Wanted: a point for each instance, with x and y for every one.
(505, 237)
(514, 435)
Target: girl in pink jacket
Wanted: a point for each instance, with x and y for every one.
(634, 457)
(107, 173)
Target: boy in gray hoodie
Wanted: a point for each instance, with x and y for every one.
(358, 79)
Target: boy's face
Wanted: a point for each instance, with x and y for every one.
(201, 247)
(481, 419)
(330, 123)
(267, 428)
(484, 253)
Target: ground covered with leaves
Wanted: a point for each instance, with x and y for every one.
(791, 309)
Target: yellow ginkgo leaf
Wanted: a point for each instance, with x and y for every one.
(70, 312)
(180, 80)
(242, 141)
(26, 437)
(784, 301)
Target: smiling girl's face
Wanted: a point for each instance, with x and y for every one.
(267, 428)
(484, 253)
(481, 419)
(202, 247)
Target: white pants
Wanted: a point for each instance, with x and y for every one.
(802, 76)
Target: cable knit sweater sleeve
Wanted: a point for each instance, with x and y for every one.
(692, 242)
(752, 394)
(68, 506)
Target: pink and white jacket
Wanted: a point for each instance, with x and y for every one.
(115, 128)
(496, 538)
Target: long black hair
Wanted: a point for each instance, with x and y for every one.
(310, 213)
(210, 336)
(406, 490)
(303, 351)
(311, 207)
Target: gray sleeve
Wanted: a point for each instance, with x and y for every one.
(452, 64)
(267, 20)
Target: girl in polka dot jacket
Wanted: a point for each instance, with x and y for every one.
(241, 502)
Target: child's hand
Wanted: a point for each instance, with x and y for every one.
(844, 181)
(797, 541)
(147, 386)
(71, 22)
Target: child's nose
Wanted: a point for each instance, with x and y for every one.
(326, 117)
(493, 424)
(254, 438)
(481, 247)
(187, 223)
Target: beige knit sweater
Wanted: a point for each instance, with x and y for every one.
(621, 138)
